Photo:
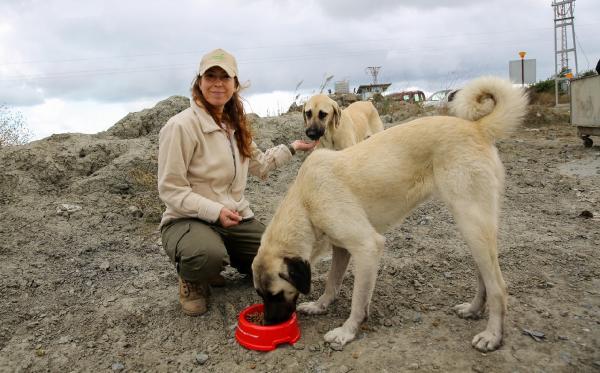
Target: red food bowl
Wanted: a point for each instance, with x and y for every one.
(265, 337)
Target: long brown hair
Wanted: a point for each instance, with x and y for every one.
(233, 115)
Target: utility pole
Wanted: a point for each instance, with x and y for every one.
(563, 17)
(373, 71)
(522, 55)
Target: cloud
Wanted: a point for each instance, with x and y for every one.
(381, 8)
(115, 51)
(59, 116)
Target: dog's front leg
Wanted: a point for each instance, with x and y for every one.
(339, 262)
(365, 273)
(475, 309)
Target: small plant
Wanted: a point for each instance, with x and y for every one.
(13, 130)
(543, 86)
(147, 194)
(587, 73)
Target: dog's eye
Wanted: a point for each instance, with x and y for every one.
(308, 113)
(322, 114)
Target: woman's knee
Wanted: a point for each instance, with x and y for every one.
(199, 266)
(196, 249)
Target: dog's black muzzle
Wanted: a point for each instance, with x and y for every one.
(315, 132)
(277, 309)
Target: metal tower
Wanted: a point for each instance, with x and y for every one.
(563, 18)
(373, 71)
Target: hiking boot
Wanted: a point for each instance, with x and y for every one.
(193, 297)
(217, 281)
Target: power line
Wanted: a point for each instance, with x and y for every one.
(325, 54)
(353, 42)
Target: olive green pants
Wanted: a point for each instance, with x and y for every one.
(199, 249)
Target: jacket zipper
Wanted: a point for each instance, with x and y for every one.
(234, 162)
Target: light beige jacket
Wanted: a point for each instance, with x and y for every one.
(200, 169)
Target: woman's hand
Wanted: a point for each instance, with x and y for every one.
(304, 145)
(229, 218)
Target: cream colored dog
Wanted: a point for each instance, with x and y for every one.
(350, 197)
(338, 129)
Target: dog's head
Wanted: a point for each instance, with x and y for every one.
(320, 113)
(279, 281)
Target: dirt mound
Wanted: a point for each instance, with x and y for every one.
(542, 115)
(85, 285)
(148, 121)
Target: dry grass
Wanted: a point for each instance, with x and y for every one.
(547, 98)
(146, 183)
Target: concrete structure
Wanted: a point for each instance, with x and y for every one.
(367, 91)
(342, 87)
(585, 107)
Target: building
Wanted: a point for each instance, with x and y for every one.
(367, 91)
(342, 87)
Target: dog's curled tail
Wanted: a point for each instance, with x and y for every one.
(494, 103)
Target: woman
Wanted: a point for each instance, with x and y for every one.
(205, 155)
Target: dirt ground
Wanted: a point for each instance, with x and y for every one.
(85, 285)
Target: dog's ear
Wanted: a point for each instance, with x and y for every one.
(298, 273)
(337, 114)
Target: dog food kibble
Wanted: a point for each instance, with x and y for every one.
(255, 318)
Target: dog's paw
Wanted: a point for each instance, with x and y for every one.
(339, 335)
(311, 308)
(467, 311)
(487, 341)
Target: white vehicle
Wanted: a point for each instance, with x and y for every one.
(440, 98)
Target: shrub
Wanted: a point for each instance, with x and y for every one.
(543, 86)
(13, 130)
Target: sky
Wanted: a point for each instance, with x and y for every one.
(80, 66)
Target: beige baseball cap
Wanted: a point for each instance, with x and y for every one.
(221, 58)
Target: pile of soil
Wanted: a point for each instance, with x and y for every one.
(85, 284)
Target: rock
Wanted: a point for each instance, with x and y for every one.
(336, 346)
(135, 211)
(417, 318)
(66, 209)
(314, 348)
(426, 220)
(120, 188)
(565, 357)
(201, 358)
(341, 369)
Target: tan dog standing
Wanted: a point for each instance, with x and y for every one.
(350, 197)
(338, 129)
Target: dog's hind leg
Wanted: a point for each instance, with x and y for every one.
(476, 217)
(339, 263)
(367, 254)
